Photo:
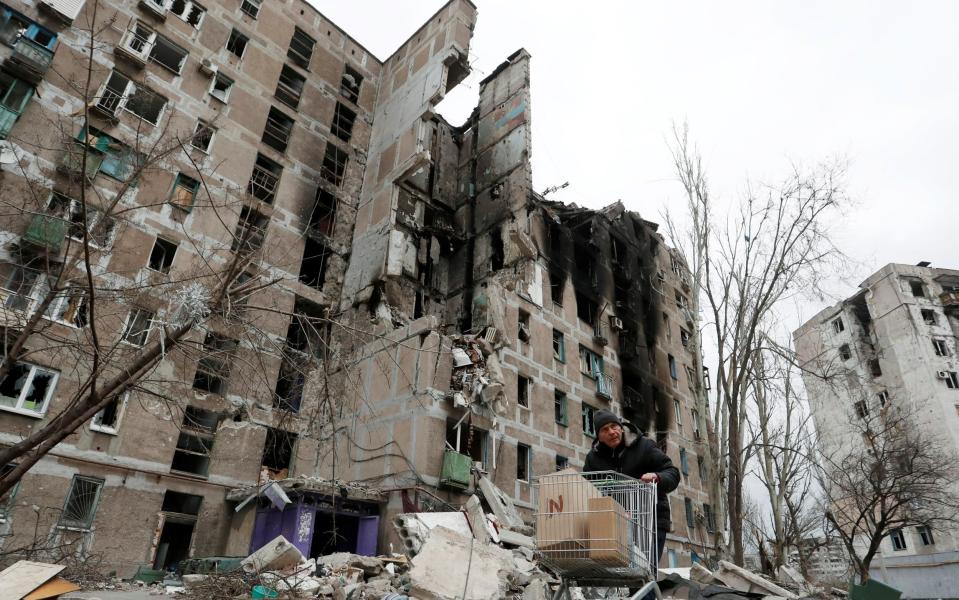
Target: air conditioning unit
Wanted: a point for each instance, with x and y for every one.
(208, 68)
(942, 374)
(616, 324)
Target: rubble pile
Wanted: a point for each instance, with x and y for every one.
(477, 376)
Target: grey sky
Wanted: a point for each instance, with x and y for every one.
(760, 83)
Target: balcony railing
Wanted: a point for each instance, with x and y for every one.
(137, 46)
(7, 119)
(109, 102)
(29, 60)
(263, 184)
(47, 232)
(950, 300)
(604, 385)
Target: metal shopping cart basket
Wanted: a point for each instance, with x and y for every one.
(597, 530)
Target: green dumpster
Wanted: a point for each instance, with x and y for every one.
(873, 590)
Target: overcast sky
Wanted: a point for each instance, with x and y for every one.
(762, 84)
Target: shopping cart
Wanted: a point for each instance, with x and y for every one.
(597, 530)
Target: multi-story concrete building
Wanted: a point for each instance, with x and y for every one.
(367, 294)
(896, 341)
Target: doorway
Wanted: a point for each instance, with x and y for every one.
(174, 543)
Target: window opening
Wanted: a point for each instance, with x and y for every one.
(213, 368)
(251, 8)
(161, 257)
(560, 411)
(585, 309)
(301, 48)
(673, 373)
(184, 504)
(350, 84)
(917, 289)
(236, 45)
(844, 352)
(883, 397)
(6, 499)
(221, 87)
(523, 466)
(678, 414)
(522, 327)
(184, 193)
(189, 11)
(278, 129)
(277, 454)
(562, 462)
(167, 54)
(69, 306)
(875, 368)
(27, 388)
(265, 179)
(138, 326)
(315, 262)
(838, 326)
(107, 419)
(289, 89)
(862, 409)
(192, 454)
(323, 218)
(522, 391)
(929, 316)
(587, 414)
(202, 136)
(925, 535)
(940, 347)
(250, 231)
(898, 539)
(80, 507)
(952, 380)
(99, 229)
(559, 346)
(690, 517)
(343, 119)
(334, 164)
(469, 440)
(556, 283)
(684, 461)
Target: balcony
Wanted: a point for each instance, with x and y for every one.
(108, 104)
(604, 385)
(29, 60)
(72, 163)
(47, 232)
(263, 184)
(136, 46)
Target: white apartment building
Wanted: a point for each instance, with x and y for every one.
(897, 338)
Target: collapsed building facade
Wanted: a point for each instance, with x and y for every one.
(415, 315)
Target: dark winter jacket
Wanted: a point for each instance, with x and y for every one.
(635, 456)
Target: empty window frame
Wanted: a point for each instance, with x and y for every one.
(69, 306)
(673, 371)
(121, 92)
(189, 11)
(940, 348)
(560, 408)
(301, 48)
(703, 473)
(27, 389)
(323, 218)
(559, 346)
(917, 289)
(167, 54)
(882, 397)
(929, 316)
(220, 87)
(289, 88)
(288, 392)
(590, 363)
(137, 328)
(251, 8)
(334, 164)
(925, 535)
(898, 539)
(522, 327)
(14, 95)
(838, 326)
(278, 129)
(107, 420)
(161, 257)
(203, 136)
(237, 42)
(6, 499)
(138, 42)
(183, 504)
(844, 352)
(278, 453)
(192, 454)
(710, 518)
(524, 462)
(343, 119)
(690, 516)
(875, 368)
(250, 231)
(522, 391)
(15, 27)
(99, 229)
(105, 154)
(80, 507)
(862, 409)
(265, 179)
(952, 379)
(684, 338)
(587, 414)
(316, 256)
(184, 192)
(469, 440)
(678, 414)
(562, 462)
(585, 309)
(556, 284)
(213, 368)
(24, 285)
(350, 84)
(683, 461)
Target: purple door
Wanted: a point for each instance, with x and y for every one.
(366, 533)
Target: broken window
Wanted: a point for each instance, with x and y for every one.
(107, 420)
(192, 454)
(522, 327)
(27, 389)
(560, 410)
(99, 228)
(161, 257)
(265, 179)
(334, 164)
(952, 379)
(838, 326)
(167, 54)
(6, 499)
(469, 440)
(678, 415)
(324, 213)
(862, 409)
(183, 504)
(14, 95)
(524, 466)
(203, 136)
(844, 352)
(301, 48)
(250, 231)
(590, 363)
(220, 87)
(122, 92)
(682, 302)
(673, 372)
(315, 261)
(278, 453)
(929, 316)
(562, 462)
(189, 11)
(875, 368)
(289, 88)
(940, 347)
(898, 539)
(683, 462)
(137, 328)
(105, 154)
(882, 397)
(69, 306)
(184, 192)
(587, 413)
(585, 309)
(350, 84)
(690, 517)
(559, 346)
(343, 119)
(703, 473)
(684, 337)
(307, 337)
(23, 285)
(288, 392)
(251, 8)
(917, 289)
(522, 391)
(925, 535)
(236, 45)
(497, 251)
(81, 504)
(278, 129)
(556, 284)
(710, 518)
(213, 368)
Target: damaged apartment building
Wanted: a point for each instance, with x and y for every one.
(379, 308)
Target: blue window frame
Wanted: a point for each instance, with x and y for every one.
(14, 95)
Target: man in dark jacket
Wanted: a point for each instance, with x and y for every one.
(620, 446)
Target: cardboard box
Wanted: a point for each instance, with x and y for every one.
(562, 516)
(609, 532)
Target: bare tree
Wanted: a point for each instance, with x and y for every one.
(774, 244)
(889, 472)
